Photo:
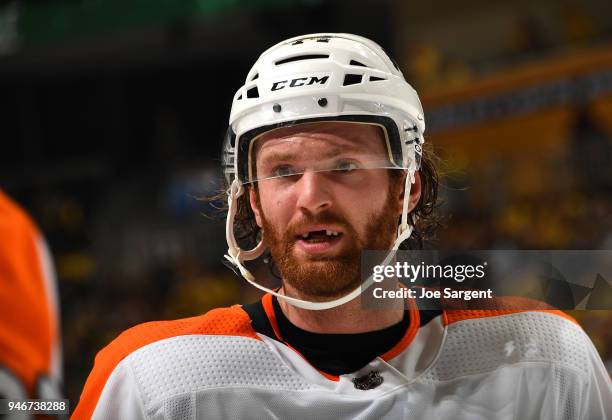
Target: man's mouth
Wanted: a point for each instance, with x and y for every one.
(319, 235)
(318, 240)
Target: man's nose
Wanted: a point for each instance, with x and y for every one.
(313, 192)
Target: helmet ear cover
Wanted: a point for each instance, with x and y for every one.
(389, 126)
(228, 155)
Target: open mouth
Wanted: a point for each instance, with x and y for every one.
(317, 236)
(319, 240)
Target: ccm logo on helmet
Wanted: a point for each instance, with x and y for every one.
(300, 81)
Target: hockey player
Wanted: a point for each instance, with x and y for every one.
(30, 350)
(324, 158)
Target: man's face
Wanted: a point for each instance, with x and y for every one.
(318, 221)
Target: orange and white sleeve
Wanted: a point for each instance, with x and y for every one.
(30, 350)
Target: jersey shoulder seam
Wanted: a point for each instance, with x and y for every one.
(229, 321)
(457, 315)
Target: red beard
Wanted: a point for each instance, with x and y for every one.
(334, 276)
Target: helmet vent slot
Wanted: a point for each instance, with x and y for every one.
(253, 92)
(376, 79)
(357, 63)
(301, 57)
(352, 79)
(254, 77)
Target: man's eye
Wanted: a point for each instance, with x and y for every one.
(346, 166)
(284, 170)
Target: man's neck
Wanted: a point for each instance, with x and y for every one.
(349, 318)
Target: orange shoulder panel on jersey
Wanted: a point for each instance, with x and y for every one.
(500, 306)
(28, 326)
(232, 321)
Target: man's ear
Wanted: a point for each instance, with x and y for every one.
(415, 193)
(255, 206)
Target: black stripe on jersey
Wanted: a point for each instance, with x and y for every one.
(339, 354)
(259, 319)
(335, 353)
(433, 310)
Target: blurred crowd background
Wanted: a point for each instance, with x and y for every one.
(112, 115)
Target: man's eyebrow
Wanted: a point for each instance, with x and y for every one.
(275, 156)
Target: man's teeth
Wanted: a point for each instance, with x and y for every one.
(327, 232)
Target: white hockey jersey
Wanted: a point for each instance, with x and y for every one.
(487, 364)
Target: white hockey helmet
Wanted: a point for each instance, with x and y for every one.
(320, 77)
